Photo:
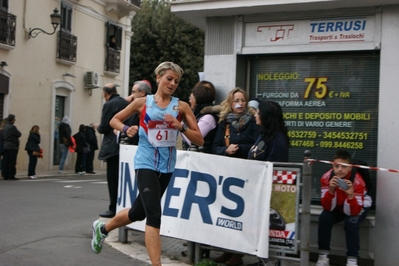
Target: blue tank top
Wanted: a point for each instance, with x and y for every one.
(160, 159)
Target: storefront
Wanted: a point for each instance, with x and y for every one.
(326, 83)
(333, 71)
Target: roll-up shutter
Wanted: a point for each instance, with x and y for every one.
(330, 102)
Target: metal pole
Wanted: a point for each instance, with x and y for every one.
(191, 251)
(305, 215)
(197, 253)
(122, 234)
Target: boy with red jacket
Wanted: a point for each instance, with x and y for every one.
(342, 200)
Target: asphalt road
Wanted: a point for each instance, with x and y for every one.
(48, 222)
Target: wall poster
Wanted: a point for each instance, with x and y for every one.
(284, 208)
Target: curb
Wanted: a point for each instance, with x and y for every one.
(137, 251)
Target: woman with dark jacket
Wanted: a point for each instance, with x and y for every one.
(81, 143)
(31, 147)
(91, 139)
(236, 133)
(201, 102)
(273, 142)
(237, 130)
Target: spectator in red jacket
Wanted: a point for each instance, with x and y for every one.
(342, 201)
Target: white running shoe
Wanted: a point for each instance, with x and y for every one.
(323, 261)
(32, 177)
(61, 172)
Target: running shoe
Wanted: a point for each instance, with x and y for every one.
(98, 237)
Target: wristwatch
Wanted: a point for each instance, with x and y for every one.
(184, 128)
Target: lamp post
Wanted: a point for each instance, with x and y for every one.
(55, 21)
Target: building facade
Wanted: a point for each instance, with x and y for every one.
(45, 76)
(332, 67)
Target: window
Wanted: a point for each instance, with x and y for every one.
(66, 43)
(8, 24)
(114, 36)
(330, 102)
(66, 17)
(4, 5)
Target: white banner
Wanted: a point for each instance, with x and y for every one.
(215, 200)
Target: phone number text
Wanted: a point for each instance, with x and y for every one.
(327, 144)
(309, 134)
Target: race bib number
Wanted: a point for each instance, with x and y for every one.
(161, 134)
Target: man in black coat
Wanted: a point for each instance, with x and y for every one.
(11, 146)
(109, 150)
(65, 139)
(91, 138)
(140, 89)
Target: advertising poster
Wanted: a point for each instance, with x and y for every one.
(283, 226)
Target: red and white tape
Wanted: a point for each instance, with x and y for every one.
(356, 165)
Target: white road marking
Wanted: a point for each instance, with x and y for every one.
(72, 186)
(76, 181)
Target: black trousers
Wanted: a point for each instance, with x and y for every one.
(113, 179)
(32, 164)
(80, 164)
(151, 187)
(89, 160)
(10, 162)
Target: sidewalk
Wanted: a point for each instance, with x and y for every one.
(172, 249)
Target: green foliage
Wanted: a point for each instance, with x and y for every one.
(206, 262)
(158, 36)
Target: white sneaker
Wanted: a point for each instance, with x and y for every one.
(61, 172)
(32, 177)
(351, 263)
(323, 261)
(82, 173)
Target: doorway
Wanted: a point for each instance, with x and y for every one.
(59, 114)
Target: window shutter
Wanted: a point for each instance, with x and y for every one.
(329, 100)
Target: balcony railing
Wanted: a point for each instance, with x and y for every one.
(112, 61)
(67, 46)
(8, 23)
(123, 3)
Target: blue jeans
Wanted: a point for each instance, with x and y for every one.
(64, 153)
(351, 226)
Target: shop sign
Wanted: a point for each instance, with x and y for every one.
(317, 31)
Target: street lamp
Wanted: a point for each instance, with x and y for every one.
(55, 21)
(3, 64)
